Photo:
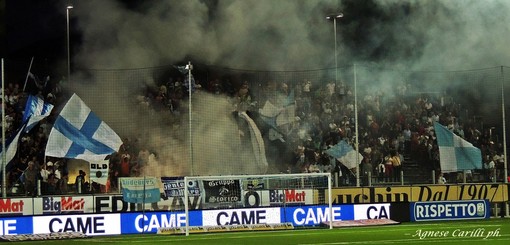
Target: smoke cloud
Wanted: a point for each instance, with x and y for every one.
(269, 35)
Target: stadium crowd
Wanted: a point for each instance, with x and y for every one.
(392, 130)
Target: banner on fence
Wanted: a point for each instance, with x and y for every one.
(222, 191)
(174, 187)
(140, 189)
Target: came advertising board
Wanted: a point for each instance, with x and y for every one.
(372, 211)
(247, 216)
(15, 225)
(150, 222)
(316, 215)
(450, 210)
(93, 224)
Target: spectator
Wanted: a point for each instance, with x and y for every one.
(441, 179)
(489, 166)
(51, 185)
(30, 179)
(388, 166)
(125, 165)
(381, 171)
(396, 162)
(79, 183)
(62, 187)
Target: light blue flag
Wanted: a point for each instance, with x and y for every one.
(284, 112)
(345, 154)
(78, 133)
(35, 110)
(455, 153)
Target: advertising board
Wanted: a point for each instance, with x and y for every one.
(278, 197)
(63, 205)
(492, 192)
(150, 222)
(16, 206)
(245, 216)
(372, 211)
(316, 215)
(450, 210)
(92, 224)
(15, 225)
(116, 204)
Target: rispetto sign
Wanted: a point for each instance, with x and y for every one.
(450, 210)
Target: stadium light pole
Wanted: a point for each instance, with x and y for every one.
(334, 17)
(189, 67)
(68, 9)
(4, 155)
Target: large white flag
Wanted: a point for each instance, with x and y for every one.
(79, 133)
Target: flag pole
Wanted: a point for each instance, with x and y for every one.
(505, 170)
(190, 118)
(28, 73)
(4, 154)
(356, 123)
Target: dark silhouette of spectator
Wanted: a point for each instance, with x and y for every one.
(30, 179)
(79, 183)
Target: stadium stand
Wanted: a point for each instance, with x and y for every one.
(392, 121)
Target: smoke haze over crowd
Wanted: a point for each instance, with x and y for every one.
(275, 35)
(288, 35)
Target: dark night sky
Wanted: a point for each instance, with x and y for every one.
(33, 29)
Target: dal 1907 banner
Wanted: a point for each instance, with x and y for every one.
(493, 192)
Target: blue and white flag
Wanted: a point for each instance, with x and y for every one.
(35, 110)
(11, 147)
(455, 153)
(345, 154)
(282, 113)
(78, 133)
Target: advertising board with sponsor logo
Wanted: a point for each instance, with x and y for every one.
(150, 222)
(449, 210)
(493, 192)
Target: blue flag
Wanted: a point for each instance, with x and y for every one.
(345, 154)
(11, 147)
(78, 133)
(455, 153)
(284, 112)
(35, 110)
